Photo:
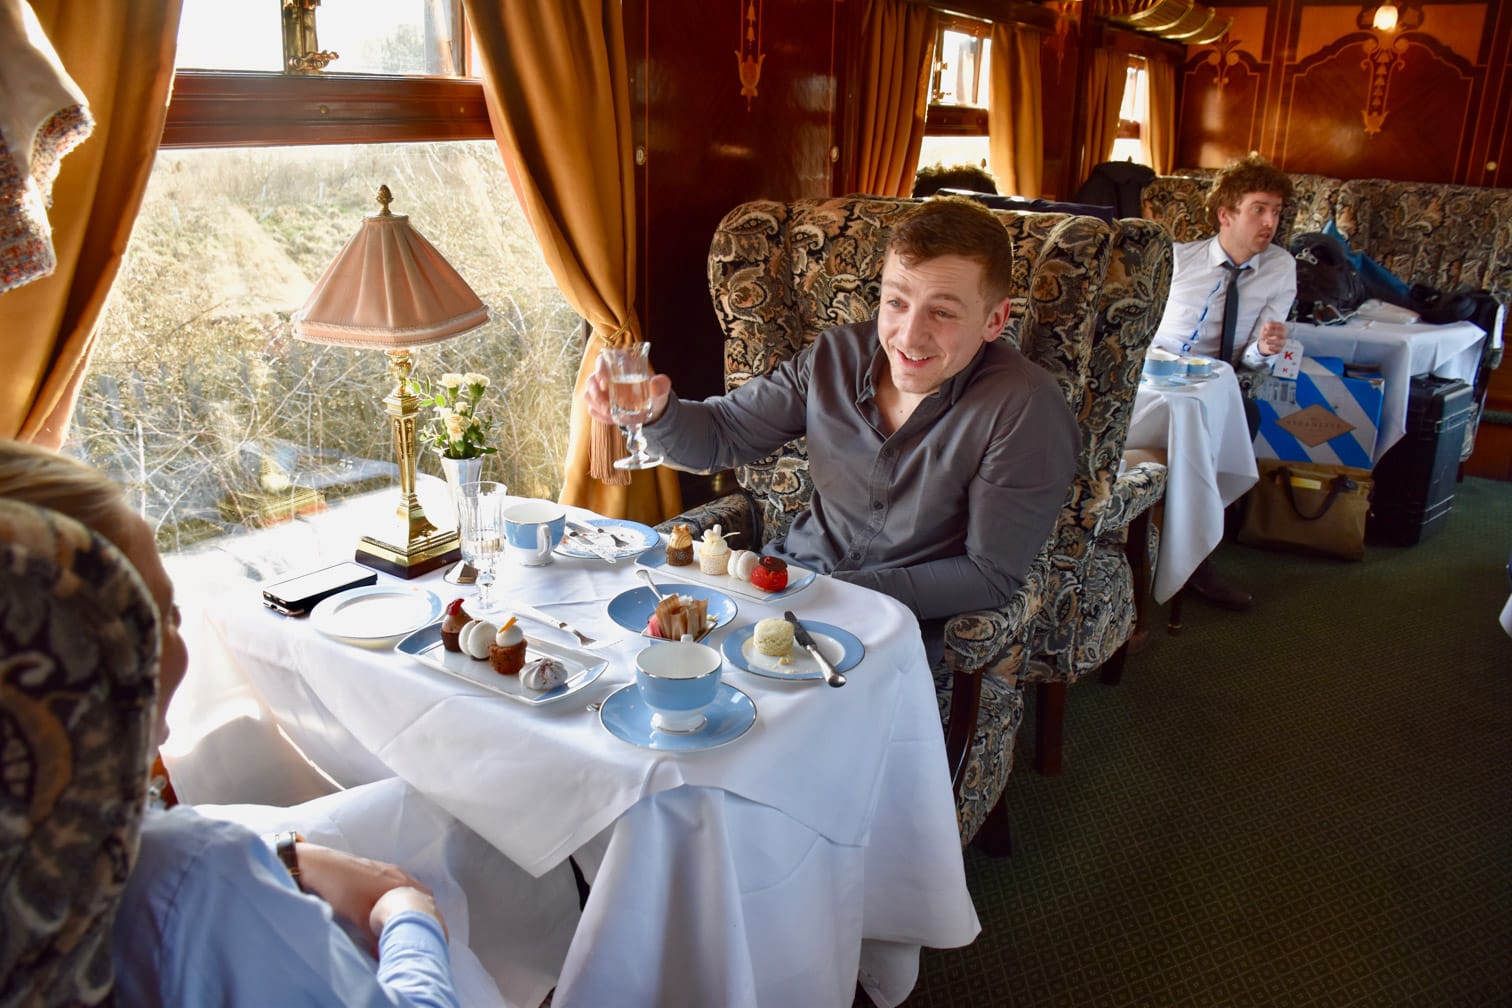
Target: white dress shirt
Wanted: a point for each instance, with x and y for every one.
(1193, 320)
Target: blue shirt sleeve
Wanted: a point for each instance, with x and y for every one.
(210, 917)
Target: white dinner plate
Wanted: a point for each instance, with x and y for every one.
(799, 578)
(424, 645)
(843, 649)
(377, 615)
(637, 539)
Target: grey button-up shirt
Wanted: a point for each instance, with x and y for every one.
(946, 513)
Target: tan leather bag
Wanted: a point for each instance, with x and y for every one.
(1308, 507)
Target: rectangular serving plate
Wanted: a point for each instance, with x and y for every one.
(424, 645)
(799, 578)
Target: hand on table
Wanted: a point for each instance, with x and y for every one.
(1272, 338)
(364, 892)
(596, 394)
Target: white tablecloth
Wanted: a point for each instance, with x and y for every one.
(1400, 351)
(1210, 464)
(822, 841)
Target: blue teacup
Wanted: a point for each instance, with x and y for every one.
(677, 680)
(532, 529)
(1160, 366)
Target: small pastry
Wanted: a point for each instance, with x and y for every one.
(713, 554)
(507, 651)
(680, 546)
(452, 623)
(773, 637)
(475, 638)
(542, 674)
(771, 574)
(742, 562)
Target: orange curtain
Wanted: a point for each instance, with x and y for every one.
(563, 126)
(1161, 75)
(120, 54)
(1015, 138)
(897, 44)
(1105, 83)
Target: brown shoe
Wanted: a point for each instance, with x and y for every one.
(1209, 584)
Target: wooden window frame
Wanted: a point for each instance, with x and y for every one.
(243, 109)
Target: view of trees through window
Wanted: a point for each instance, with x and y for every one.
(200, 401)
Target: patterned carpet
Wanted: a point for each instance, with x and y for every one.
(1306, 804)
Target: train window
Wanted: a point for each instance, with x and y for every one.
(1132, 143)
(197, 397)
(371, 37)
(955, 128)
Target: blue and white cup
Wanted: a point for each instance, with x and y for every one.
(532, 529)
(1198, 367)
(678, 680)
(1161, 366)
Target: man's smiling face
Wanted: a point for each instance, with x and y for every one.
(934, 317)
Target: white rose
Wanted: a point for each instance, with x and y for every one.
(451, 380)
(473, 378)
(455, 427)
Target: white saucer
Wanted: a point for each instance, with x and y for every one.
(375, 616)
(625, 716)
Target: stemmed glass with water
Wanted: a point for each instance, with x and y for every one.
(480, 525)
(630, 401)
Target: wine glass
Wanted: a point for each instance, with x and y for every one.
(630, 401)
(480, 525)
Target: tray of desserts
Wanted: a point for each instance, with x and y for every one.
(710, 561)
(502, 660)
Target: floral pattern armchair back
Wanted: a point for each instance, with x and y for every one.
(78, 679)
(1440, 235)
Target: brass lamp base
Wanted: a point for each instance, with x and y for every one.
(422, 555)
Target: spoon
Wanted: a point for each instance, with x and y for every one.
(645, 576)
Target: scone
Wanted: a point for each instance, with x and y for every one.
(773, 637)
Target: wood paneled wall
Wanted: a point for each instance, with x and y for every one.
(1301, 82)
(703, 146)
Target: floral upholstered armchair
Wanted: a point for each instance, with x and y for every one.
(782, 273)
(78, 678)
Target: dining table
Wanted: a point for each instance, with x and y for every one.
(1398, 351)
(813, 850)
(1198, 425)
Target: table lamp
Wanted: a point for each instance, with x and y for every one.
(390, 289)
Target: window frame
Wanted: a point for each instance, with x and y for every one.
(943, 119)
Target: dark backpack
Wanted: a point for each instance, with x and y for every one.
(1329, 287)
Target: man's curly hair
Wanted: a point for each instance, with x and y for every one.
(1251, 174)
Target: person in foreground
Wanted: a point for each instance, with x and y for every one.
(940, 454)
(210, 915)
(1247, 328)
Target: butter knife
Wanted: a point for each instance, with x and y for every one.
(807, 643)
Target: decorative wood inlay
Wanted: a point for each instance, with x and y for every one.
(748, 53)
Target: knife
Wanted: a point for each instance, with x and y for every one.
(807, 643)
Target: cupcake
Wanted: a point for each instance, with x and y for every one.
(452, 623)
(773, 637)
(680, 546)
(714, 554)
(507, 653)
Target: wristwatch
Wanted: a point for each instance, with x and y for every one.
(283, 846)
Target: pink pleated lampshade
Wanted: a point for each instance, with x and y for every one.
(388, 288)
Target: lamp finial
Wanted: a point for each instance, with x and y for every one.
(384, 198)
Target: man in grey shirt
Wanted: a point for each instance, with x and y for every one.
(940, 455)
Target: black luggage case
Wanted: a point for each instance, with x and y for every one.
(1415, 480)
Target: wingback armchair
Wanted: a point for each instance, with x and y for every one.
(780, 274)
(78, 678)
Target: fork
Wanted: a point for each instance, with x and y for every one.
(540, 617)
(585, 530)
